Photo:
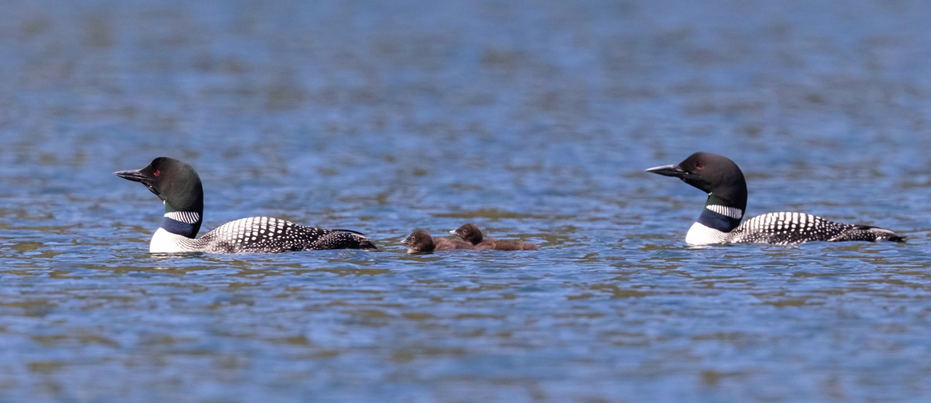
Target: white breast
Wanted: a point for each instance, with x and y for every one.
(166, 242)
(700, 234)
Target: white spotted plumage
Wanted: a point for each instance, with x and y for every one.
(785, 228)
(256, 234)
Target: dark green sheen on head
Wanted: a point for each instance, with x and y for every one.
(714, 174)
(173, 181)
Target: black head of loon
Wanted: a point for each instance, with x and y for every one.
(721, 178)
(176, 183)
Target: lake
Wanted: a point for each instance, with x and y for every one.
(534, 120)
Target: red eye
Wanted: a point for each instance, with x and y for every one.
(157, 172)
(699, 166)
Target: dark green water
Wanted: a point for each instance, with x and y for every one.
(534, 120)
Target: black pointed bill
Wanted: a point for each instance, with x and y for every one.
(135, 175)
(668, 170)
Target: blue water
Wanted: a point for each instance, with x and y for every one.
(534, 120)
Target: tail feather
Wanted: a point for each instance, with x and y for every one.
(867, 233)
(344, 239)
(347, 230)
(367, 245)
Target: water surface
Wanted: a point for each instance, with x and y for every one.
(534, 120)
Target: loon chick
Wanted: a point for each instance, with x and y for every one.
(180, 189)
(719, 222)
(421, 241)
(472, 234)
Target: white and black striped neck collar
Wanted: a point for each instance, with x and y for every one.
(188, 217)
(731, 212)
(184, 223)
(720, 217)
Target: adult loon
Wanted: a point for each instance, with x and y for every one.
(180, 189)
(719, 222)
(420, 241)
(473, 235)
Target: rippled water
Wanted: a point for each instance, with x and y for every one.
(534, 120)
